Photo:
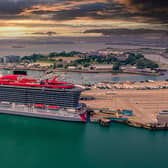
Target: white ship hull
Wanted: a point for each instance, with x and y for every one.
(58, 115)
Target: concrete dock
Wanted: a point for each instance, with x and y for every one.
(145, 104)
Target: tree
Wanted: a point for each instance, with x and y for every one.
(60, 60)
(116, 66)
(52, 54)
(86, 65)
(141, 64)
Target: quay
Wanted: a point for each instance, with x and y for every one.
(147, 106)
(106, 71)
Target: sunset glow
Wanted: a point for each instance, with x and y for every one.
(72, 18)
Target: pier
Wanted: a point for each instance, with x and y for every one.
(145, 105)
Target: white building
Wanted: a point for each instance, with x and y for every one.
(102, 66)
(71, 67)
(11, 59)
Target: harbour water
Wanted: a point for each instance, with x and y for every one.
(82, 78)
(99, 77)
(37, 143)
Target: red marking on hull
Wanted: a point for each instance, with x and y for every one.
(53, 107)
(83, 117)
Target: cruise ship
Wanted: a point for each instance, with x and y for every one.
(49, 99)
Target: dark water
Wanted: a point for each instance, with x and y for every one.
(36, 143)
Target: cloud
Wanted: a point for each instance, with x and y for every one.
(136, 10)
(71, 10)
(126, 31)
(49, 33)
(10, 9)
(153, 10)
(148, 5)
(75, 16)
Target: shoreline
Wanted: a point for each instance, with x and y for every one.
(84, 71)
(108, 71)
(147, 126)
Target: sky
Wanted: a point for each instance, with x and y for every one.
(73, 18)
